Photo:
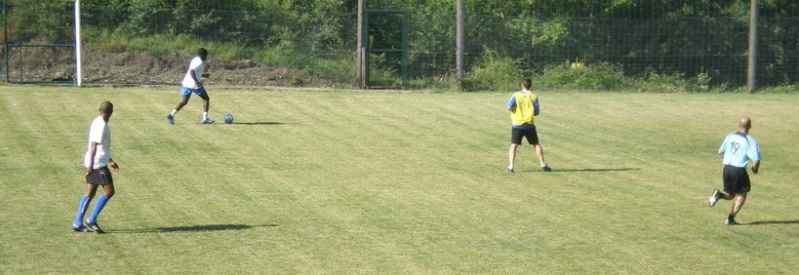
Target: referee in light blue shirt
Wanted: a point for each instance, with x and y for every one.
(736, 151)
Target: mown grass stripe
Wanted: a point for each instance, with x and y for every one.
(411, 182)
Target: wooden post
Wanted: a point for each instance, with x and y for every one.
(751, 80)
(459, 40)
(359, 51)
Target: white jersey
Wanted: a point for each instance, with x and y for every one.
(100, 133)
(198, 66)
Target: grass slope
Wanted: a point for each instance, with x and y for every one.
(376, 182)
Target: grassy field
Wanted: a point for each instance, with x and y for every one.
(337, 182)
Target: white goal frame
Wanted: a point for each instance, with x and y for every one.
(78, 51)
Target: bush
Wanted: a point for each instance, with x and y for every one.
(493, 73)
(671, 83)
(601, 76)
(785, 89)
(384, 71)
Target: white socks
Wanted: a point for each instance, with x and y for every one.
(205, 114)
(543, 164)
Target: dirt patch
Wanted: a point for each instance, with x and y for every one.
(169, 69)
(141, 68)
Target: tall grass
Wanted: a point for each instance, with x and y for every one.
(336, 66)
(384, 182)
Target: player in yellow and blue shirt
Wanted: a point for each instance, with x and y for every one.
(523, 107)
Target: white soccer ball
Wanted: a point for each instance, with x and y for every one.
(228, 118)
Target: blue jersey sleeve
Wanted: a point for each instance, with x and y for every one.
(754, 149)
(512, 102)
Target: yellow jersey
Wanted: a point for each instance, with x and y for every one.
(524, 107)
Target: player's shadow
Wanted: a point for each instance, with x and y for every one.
(195, 228)
(772, 222)
(259, 123)
(596, 170)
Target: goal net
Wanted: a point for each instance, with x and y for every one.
(37, 48)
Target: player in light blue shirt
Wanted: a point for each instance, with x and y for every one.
(736, 151)
(738, 148)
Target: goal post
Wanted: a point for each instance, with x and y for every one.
(78, 49)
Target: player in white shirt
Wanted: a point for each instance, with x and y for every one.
(97, 160)
(191, 84)
(736, 151)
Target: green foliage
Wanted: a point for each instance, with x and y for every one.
(208, 20)
(384, 71)
(226, 5)
(110, 14)
(142, 14)
(162, 44)
(658, 39)
(674, 83)
(493, 73)
(786, 89)
(598, 76)
(340, 68)
(295, 80)
(39, 22)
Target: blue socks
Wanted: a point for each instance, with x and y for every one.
(82, 206)
(98, 206)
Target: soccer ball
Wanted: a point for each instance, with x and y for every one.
(228, 118)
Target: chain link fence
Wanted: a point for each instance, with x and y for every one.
(142, 45)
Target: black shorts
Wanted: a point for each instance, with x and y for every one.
(736, 180)
(516, 135)
(100, 176)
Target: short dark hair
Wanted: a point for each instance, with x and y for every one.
(202, 52)
(106, 107)
(526, 83)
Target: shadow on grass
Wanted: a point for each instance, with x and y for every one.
(259, 123)
(596, 170)
(772, 222)
(195, 228)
